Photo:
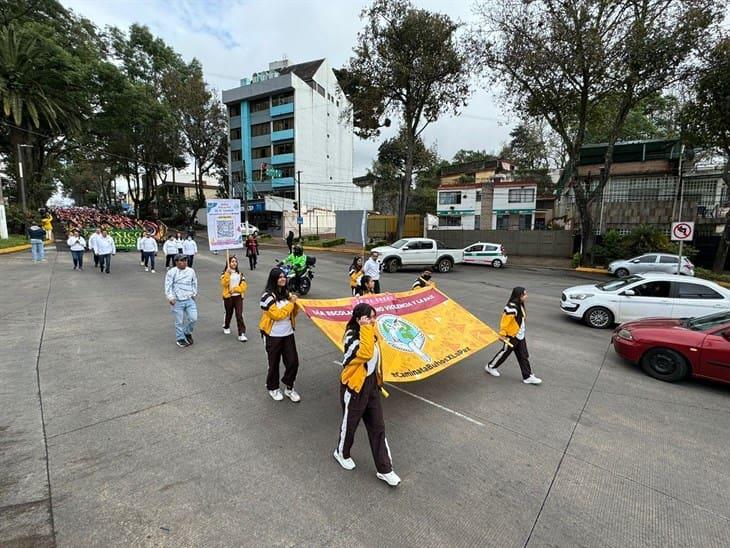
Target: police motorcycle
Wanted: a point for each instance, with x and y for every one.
(299, 283)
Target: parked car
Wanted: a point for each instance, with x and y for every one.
(651, 262)
(419, 252)
(248, 228)
(671, 349)
(485, 253)
(643, 296)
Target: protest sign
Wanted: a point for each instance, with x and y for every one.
(224, 224)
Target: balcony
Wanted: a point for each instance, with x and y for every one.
(277, 159)
(282, 135)
(280, 110)
(282, 182)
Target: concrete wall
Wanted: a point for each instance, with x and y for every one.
(533, 243)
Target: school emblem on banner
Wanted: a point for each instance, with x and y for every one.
(421, 332)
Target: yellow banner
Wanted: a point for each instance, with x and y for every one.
(421, 332)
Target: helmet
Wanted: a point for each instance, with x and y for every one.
(298, 251)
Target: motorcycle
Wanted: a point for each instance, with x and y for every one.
(302, 283)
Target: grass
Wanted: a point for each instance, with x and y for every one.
(13, 240)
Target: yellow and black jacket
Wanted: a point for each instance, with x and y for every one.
(513, 317)
(271, 313)
(355, 276)
(226, 285)
(359, 349)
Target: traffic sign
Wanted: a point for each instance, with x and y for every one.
(272, 172)
(300, 220)
(683, 231)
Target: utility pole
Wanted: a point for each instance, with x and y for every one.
(245, 201)
(679, 216)
(299, 203)
(22, 179)
(3, 219)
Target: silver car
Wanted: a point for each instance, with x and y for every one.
(651, 262)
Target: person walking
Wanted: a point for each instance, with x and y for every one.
(139, 248)
(169, 248)
(181, 290)
(372, 268)
(366, 287)
(77, 244)
(290, 241)
(179, 241)
(190, 248)
(252, 251)
(37, 242)
(91, 245)
(512, 326)
(361, 382)
(278, 314)
(149, 251)
(233, 289)
(424, 280)
(47, 224)
(105, 247)
(355, 274)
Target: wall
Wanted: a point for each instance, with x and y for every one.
(533, 243)
(384, 227)
(316, 221)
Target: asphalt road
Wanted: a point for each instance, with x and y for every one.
(152, 445)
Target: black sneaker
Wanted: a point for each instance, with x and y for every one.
(182, 343)
(189, 339)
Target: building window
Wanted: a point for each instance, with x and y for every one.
(477, 222)
(521, 195)
(449, 198)
(284, 148)
(525, 222)
(260, 129)
(449, 221)
(320, 90)
(287, 171)
(261, 104)
(234, 110)
(502, 222)
(260, 152)
(479, 195)
(282, 125)
(256, 175)
(235, 156)
(283, 99)
(236, 177)
(235, 133)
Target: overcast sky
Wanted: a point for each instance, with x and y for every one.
(235, 38)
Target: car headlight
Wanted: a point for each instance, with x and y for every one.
(580, 296)
(625, 334)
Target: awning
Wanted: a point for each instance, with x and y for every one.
(455, 213)
(515, 211)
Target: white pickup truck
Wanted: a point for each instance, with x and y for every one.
(419, 252)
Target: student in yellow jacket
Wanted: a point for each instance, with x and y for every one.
(278, 312)
(355, 274)
(512, 326)
(233, 289)
(361, 382)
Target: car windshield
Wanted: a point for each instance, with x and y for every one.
(703, 323)
(613, 285)
(399, 244)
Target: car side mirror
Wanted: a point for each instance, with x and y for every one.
(635, 261)
(629, 293)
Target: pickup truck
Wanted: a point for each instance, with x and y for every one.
(419, 252)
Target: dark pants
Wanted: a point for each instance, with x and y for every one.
(141, 256)
(190, 260)
(377, 286)
(149, 259)
(252, 260)
(78, 257)
(365, 405)
(520, 349)
(231, 304)
(96, 259)
(277, 349)
(104, 262)
(289, 245)
(169, 260)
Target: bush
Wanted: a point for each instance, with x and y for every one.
(18, 222)
(710, 275)
(375, 244)
(643, 239)
(327, 243)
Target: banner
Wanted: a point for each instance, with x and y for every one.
(224, 224)
(421, 332)
(125, 239)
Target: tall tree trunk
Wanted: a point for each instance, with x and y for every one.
(405, 187)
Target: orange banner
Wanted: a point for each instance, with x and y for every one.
(421, 332)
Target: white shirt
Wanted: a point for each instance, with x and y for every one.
(282, 328)
(234, 283)
(148, 245)
(92, 239)
(76, 243)
(189, 247)
(170, 247)
(373, 362)
(372, 268)
(104, 245)
(181, 284)
(521, 333)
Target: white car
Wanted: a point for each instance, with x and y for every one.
(419, 252)
(485, 253)
(643, 296)
(248, 228)
(651, 262)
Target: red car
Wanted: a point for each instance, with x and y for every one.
(670, 350)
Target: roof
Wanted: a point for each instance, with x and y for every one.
(631, 151)
(470, 167)
(305, 71)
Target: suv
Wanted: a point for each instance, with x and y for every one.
(651, 262)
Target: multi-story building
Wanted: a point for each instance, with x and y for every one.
(293, 120)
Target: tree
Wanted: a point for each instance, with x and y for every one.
(407, 63)
(561, 60)
(465, 156)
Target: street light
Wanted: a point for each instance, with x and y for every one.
(22, 177)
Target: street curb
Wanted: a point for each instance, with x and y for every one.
(593, 270)
(23, 247)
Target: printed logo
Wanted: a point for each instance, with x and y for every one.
(403, 335)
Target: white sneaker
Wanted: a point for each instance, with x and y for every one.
(276, 395)
(146, 269)
(391, 478)
(492, 371)
(347, 464)
(292, 395)
(226, 331)
(141, 263)
(153, 271)
(532, 379)
(242, 337)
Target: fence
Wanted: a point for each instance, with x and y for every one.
(384, 227)
(532, 243)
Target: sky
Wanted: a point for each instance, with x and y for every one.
(235, 38)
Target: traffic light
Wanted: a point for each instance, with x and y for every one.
(295, 206)
(263, 169)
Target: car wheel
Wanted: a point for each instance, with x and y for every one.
(622, 273)
(496, 263)
(445, 265)
(665, 364)
(598, 317)
(391, 265)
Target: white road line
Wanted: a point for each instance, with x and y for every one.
(438, 405)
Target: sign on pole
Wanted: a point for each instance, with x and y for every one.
(683, 231)
(300, 220)
(224, 224)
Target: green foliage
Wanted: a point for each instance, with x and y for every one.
(13, 241)
(575, 261)
(643, 239)
(326, 243)
(710, 275)
(17, 221)
(465, 156)
(376, 244)
(613, 247)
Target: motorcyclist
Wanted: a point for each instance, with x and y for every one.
(297, 260)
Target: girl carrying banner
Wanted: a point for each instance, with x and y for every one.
(355, 274)
(512, 326)
(233, 288)
(366, 287)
